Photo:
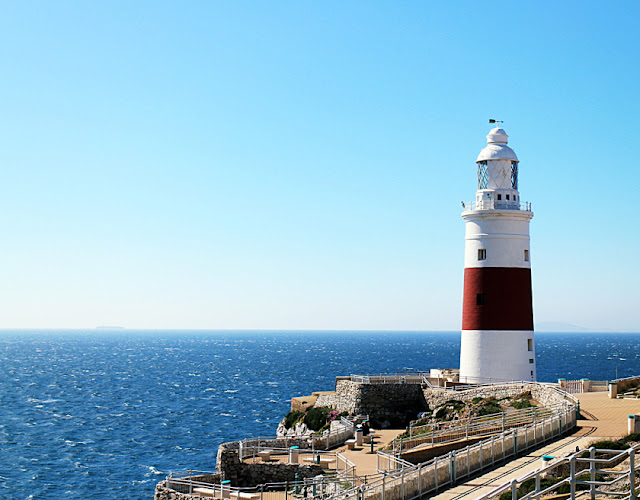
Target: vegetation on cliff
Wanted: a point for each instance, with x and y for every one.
(315, 418)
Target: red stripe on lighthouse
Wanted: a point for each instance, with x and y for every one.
(497, 298)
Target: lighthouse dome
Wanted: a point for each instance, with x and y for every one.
(497, 148)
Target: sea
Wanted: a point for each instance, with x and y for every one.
(108, 414)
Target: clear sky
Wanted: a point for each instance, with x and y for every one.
(300, 165)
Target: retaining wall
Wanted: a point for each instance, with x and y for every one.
(241, 474)
(386, 404)
(396, 404)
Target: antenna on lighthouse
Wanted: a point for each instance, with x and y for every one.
(491, 120)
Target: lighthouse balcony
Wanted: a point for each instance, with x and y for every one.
(496, 205)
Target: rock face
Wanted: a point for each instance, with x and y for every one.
(299, 430)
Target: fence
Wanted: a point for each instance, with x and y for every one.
(446, 432)
(585, 473)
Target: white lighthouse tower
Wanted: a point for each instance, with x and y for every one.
(497, 316)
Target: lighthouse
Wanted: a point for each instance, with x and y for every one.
(497, 312)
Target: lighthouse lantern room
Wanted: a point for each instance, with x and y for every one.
(497, 317)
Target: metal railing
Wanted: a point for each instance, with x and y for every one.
(583, 474)
(391, 378)
(445, 432)
(317, 488)
(336, 437)
(497, 205)
(386, 462)
(414, 482)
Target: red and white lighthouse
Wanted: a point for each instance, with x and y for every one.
(497, 316)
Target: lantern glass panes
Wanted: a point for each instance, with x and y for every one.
(482, 175)
(514, 175)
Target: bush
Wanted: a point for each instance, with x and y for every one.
(316, 418)
(521, 404)
(291, 418)
(489, 407)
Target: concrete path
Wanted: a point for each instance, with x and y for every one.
(366, 462)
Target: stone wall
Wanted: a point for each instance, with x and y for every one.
(164, 493)
(386, 404)
(396, 404)
(243, 474)
(626, 384)
(546, 396)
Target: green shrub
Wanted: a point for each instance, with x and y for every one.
(489, 407)
(521, 404)
(611, 445)
(632, 438)
(316, 418)
(291, 418)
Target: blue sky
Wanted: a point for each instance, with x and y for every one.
(300, 165)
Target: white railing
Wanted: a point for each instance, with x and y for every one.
(386, 462)
(497, 205)
(445, 432)
(345, 430)
(317, 488)
(418, 480)
(391, 378)
(345, 467)
(583, 475)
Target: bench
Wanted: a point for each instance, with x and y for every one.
(323, 462)
(265, 455)
(240, 495)
(350, 443)
(369, 437)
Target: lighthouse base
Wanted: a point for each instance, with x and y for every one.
(497, 355)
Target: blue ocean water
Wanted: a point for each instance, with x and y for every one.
(101, 415)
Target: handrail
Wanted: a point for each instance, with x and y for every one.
(390, 378)
(398, 463)
(473, 427)
(595, 465)
(497, 205)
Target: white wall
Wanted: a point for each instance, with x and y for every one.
(499, 354)
(504, 234)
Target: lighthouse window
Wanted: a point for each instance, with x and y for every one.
(531, 361)
(499, 197)
(526, 255)
(482, 254)
(529, 344)
(481, 299)
(514, 175)
(507, 197)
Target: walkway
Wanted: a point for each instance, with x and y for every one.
(602, 418)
